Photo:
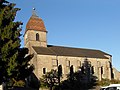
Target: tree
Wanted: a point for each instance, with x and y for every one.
(83, 79)
(13, 59)
(59, 73)
(23, 68)
(60, 70)
(50, 79)
(10, 41)
(71, 73)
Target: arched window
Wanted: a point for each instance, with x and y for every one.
(102, 70)
(37, 37)
(67, 63)
(44, 70)
(78, 63)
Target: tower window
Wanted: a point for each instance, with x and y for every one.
(37, 37)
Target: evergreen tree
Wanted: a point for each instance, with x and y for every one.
(13, 59)
(71, 77)
(24, 69)
(59, 74)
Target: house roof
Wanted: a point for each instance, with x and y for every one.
(69, 51)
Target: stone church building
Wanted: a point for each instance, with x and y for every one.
(47, 57)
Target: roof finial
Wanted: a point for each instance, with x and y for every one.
(34, 12)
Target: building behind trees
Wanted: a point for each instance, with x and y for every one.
(47, 57)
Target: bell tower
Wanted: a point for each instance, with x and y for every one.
(35, 33)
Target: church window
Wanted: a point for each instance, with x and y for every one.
(55, 63)
(37, 37)
(44, 70)
(68, 63)
(101, 70)
(67, 66)
(79, 63)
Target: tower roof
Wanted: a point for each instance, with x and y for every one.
(35, 23)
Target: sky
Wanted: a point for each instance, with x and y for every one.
(92, 24)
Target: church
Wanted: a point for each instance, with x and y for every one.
(47, 57)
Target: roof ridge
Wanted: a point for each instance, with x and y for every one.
(74, 52)
(73, 47)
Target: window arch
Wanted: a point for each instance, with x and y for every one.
(37, 37)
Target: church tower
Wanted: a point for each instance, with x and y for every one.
(35, 33)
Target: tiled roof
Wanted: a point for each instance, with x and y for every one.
(35, 23)
(44, 50)
(68, 51)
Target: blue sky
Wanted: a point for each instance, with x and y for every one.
(93, 24)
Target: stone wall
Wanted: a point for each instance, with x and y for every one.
(30, 38)
(101, 67)
(116, 74)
